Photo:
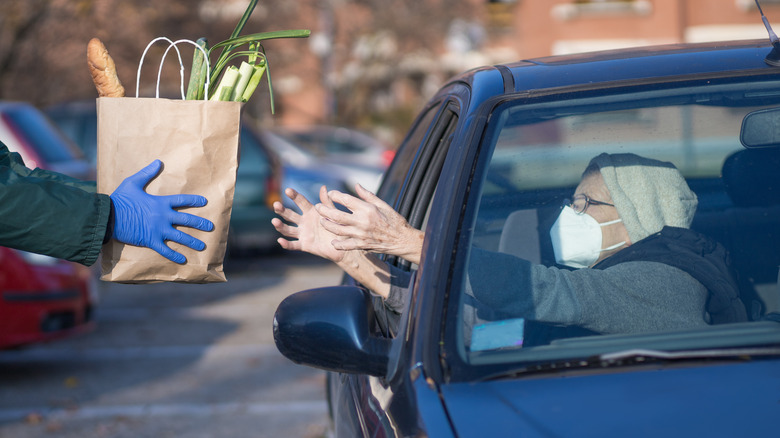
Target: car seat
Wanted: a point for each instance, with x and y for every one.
(520, 235)
(752, 181)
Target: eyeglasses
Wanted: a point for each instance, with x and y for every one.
(580, 203)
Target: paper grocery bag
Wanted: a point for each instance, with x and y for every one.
(197, 142)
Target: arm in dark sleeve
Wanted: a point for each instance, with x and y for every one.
(519, 288)
(399, 289)
(49, 213)
(630, 297)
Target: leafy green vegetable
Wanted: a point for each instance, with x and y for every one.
(243, 81)
(227, 84)
(198, 74)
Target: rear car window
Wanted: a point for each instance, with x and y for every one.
(40, 133)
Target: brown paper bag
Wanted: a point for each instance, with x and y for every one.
(197, 141)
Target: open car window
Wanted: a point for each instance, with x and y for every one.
(517, 304)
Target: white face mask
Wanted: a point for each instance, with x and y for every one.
(576, 238)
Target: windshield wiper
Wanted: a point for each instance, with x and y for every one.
(638, 357)
(639, 354)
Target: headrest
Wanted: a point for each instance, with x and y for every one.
(752, 177)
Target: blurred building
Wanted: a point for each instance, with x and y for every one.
(367, 64)
(542, 27)
(380, 75)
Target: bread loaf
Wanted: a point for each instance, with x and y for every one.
(103, 70)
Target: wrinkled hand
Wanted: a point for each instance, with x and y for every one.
(142, 219)
(306, 230)
(372, 226)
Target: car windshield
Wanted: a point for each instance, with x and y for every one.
(532, 290)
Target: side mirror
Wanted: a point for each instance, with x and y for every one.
(761, 129)
(328, 328)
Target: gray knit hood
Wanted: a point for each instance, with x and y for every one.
(648, 194)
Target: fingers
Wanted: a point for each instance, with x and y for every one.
(185, 239)
(334, 215)
(143, 176)
(176, 201)
(324, 199)
(284, 229)
(349, 201)
(192, 221)
(286, 214)
(168, 253)
(337, 228)
(179, 237)
(373, 199)
(298, 199)
(289, 245)
(367, 195)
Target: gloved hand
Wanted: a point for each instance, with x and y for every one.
(142, 219)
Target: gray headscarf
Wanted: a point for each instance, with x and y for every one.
(648, 194)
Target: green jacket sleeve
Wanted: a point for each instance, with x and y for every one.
(49, 213)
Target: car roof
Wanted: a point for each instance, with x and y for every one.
(642, 64)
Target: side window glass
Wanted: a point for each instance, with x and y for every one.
(396, 174)
(424, 182)
(423, 155)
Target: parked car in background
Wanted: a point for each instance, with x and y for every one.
(26, 130)
(339, 144)
(258, 180)
(42, 298)
(306, 172)
(487, 167)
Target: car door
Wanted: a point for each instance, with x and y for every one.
(408, 186)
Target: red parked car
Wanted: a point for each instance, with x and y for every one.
(41, 297)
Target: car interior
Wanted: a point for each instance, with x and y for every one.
(738, 190)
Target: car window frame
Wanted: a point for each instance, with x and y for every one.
(394, 175)
(425, 169)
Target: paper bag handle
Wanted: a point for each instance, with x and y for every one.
(181, 65)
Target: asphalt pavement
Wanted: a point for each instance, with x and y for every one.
(173, 360)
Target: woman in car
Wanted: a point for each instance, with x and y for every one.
(637, 265)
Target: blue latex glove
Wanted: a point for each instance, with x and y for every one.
(142, 219)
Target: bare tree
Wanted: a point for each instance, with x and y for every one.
(371, 61)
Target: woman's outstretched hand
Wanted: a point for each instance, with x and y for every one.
(372, 226)
(304, 232)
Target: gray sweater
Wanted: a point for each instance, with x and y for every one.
(627, 298)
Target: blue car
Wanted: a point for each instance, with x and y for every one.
(488, 167)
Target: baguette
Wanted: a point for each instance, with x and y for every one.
(103, 70)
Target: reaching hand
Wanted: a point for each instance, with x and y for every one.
(372, 226)
(307, 231)
(142, 219)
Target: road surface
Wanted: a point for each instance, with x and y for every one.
(174, 360)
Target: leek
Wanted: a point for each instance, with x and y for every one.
(245, 72)
(232, 43)
(254, 81)
(226, 86)
(198, 73)
(230, 83)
